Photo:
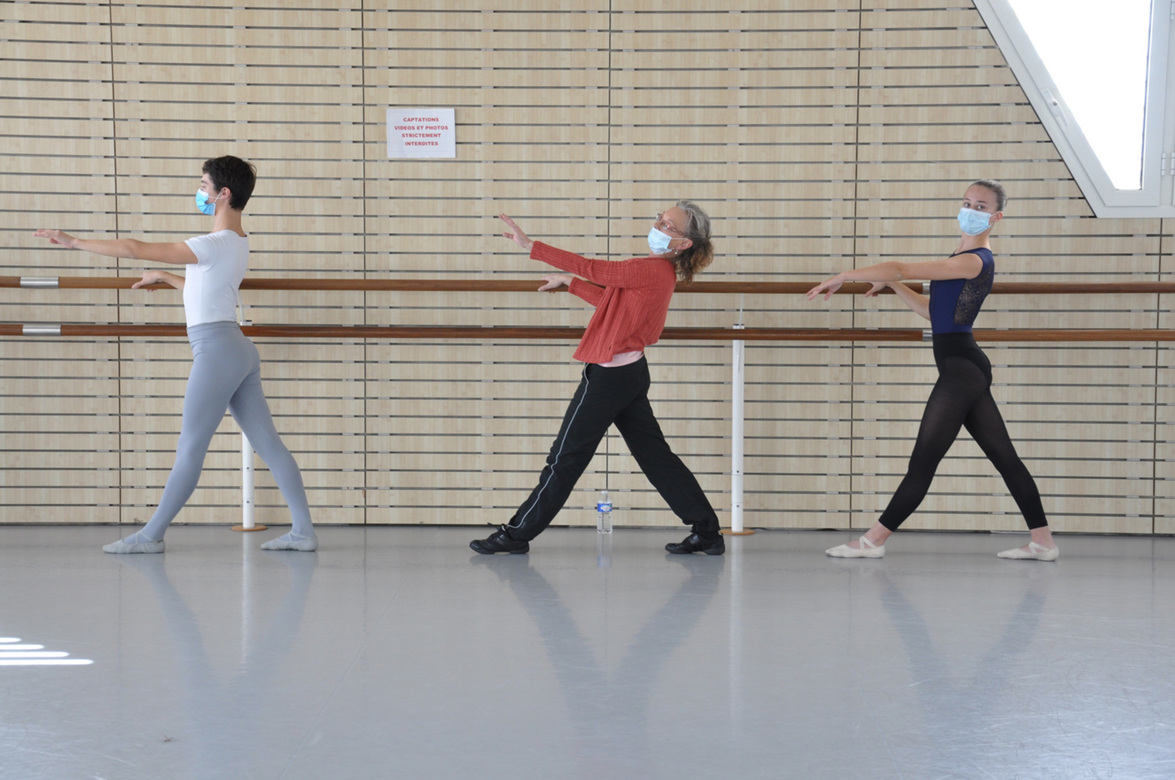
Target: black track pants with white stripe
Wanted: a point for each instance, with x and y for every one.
(608, 396)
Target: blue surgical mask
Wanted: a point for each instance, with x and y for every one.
(973, 222)
(203, 203)
(659, 241)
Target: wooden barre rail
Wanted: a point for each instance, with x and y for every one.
(504, 285)
(407, 332)
(507, 333)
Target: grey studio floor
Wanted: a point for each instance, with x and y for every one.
(396, 652)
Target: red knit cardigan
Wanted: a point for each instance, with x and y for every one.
(631, 299)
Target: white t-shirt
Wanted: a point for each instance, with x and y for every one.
(210, 284)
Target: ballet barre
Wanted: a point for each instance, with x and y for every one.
(524, 333)
(515, 285)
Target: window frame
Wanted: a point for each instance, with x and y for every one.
(1156, 196)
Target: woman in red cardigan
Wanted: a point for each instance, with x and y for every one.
(632, 300)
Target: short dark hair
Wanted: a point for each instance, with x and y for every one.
(236, 174)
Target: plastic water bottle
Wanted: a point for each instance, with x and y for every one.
(604, 514)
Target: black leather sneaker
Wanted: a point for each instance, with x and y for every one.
(698, 544)
(499, 542)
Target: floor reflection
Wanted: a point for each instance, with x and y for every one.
(224, 711)
(608, 702)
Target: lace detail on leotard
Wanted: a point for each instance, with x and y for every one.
(972, 295)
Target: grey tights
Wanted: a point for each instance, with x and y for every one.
(226, 374)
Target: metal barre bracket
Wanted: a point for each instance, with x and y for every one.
(44, 282)
(41, 330)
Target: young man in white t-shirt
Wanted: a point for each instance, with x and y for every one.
(226, 369)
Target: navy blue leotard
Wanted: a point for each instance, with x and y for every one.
(955, 303)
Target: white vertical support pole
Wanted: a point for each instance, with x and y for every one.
(247, 522)
(737, 394)
(736, 434)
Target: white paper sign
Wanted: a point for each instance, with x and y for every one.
(421, 132)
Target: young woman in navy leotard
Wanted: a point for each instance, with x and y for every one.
(962, 395)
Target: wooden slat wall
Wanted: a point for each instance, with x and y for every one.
(819, 136)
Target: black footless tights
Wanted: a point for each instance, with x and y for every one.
(962, 398)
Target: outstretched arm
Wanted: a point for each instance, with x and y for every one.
(175, 253)
(591, 293)
(552, 282)
(919, 304)
(964, 266)
(159, 277)
(606, 273)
